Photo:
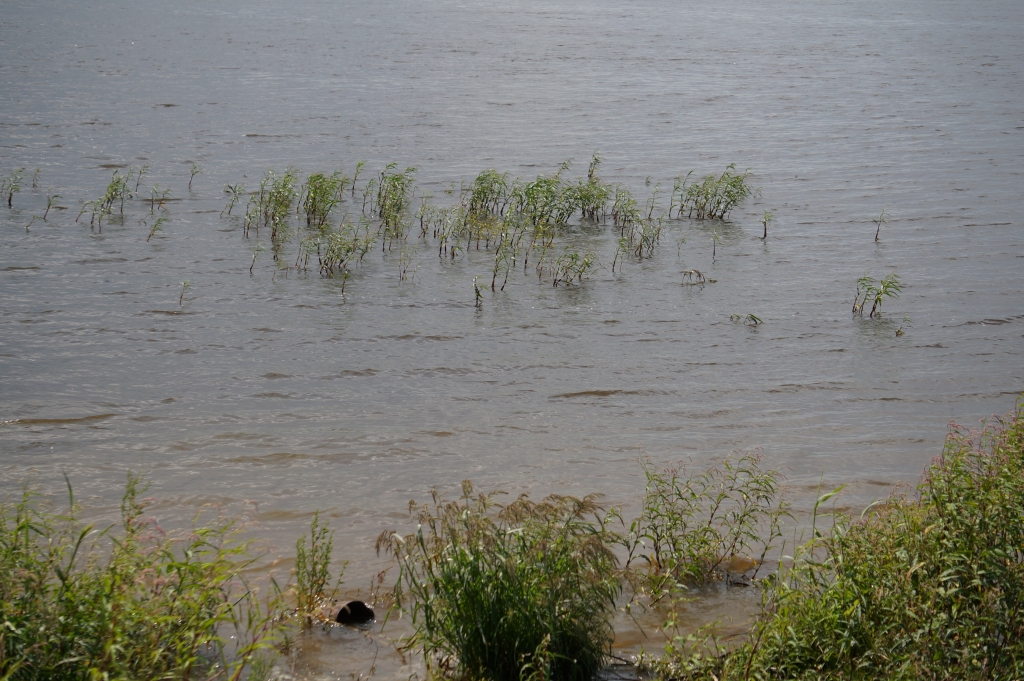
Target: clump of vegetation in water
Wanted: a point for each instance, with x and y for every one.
(518, 219)
(870, 290)
(320, 194)
(118, 191)
(271, 206)
(694, 527)
(929, 586)
(571, 266)
(394, 198)
(716, 195)
(508, 592)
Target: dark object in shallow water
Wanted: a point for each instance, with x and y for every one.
(354, 612)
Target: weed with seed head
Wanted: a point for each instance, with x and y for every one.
(494, 590)
(314, 588)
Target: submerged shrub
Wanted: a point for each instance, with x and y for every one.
(497, 592)
(693, 525)
(715, 196)
(924, 588)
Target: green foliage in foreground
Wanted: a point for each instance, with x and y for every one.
(77, 603)
(925, 588)
(523, 591)
(137, 605)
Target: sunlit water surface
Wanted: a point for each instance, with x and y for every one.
(275, 394)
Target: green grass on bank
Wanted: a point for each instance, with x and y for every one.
(77, 602)
(81, 603)
(924, 586)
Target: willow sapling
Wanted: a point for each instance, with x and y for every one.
(879, 221)
(313, 572)
(185, 286)
(35, 178)
(907, 322)
(158, 226)
(157, 197)
(255, 252)
(870, 290)
(193, 171)
(138, 178)
(236, 191)
(766, 220)
(355, 175)
(50, 199)
(11, 185)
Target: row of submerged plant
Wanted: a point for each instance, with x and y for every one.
(517, 220)
(336, 220)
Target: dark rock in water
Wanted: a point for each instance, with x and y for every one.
(354, 612)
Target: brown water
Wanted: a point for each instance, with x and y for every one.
(278, 394)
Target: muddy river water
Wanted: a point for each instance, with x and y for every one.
(275, 394)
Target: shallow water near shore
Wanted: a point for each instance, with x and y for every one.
(274, 394)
